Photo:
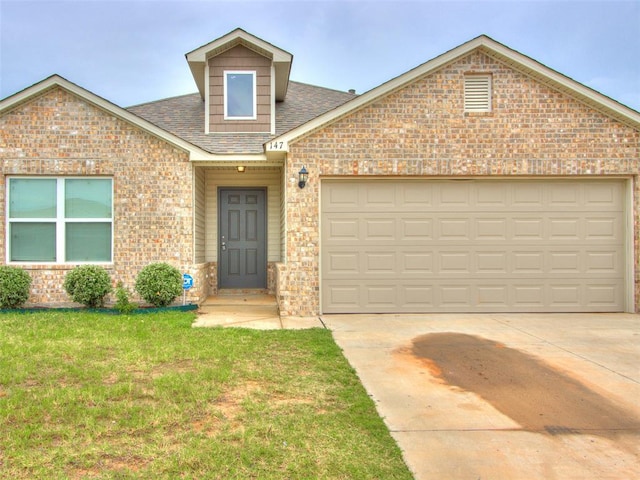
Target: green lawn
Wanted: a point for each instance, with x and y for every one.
(86, 395)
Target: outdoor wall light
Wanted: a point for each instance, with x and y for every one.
(241, 168)
(303, 175)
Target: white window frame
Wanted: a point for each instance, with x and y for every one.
(477, 92)
(226, 73)
(59, 220)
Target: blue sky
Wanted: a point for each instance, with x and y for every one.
(132, 51)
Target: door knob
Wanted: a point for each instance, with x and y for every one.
(224, 246)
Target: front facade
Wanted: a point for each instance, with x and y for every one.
(480, 181)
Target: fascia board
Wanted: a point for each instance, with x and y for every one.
(99, 102)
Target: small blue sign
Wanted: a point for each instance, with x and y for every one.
(187, 281)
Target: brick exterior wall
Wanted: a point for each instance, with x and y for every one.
(59, 134)
(422, 130)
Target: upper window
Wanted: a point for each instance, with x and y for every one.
(477, 93)
(240, 95)
(60, 220)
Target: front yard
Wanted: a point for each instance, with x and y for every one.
(86, 395)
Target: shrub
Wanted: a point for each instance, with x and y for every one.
(88, 284)
(159, 284)
(14, 287)
(123, 305)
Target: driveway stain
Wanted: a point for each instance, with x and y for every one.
(537, 396)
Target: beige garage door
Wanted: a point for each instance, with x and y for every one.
(472, 246)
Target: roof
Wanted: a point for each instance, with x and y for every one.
(184, 117)
(487, 45)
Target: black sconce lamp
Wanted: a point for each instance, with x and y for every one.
(303, 175)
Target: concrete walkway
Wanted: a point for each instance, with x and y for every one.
(448, 432)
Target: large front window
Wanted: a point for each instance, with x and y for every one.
(239, 95)
(60, 220)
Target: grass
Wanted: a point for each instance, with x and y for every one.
(87, 395)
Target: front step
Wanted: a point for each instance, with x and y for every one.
(238, 298)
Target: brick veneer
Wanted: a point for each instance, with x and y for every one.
(422, 130)
(59, 133)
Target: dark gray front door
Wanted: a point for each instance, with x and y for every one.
(242, 244)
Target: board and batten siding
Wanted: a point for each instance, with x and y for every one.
(199, 215)
(268, 178)
(239, 59)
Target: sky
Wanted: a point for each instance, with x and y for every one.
(133, 51)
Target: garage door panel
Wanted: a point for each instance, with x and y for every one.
(528, 229)
(473, 246)
(492, 262)
(528, 196)
(603, 195)
(454, 262)
(342, 228)
(488, 196)
(603, 261)
(415, 195)
(492, 296)
(342, 297)
(491, 229)
(603, 228)
(416, 229)
(455, 195)
(603, 296)
(567, 195)
(380, 229)
(454, 229)
(417, 263)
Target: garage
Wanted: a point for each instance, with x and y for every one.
(472, 245)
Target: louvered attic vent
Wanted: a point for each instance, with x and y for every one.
(477, 93)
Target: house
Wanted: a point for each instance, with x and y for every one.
(479, 181)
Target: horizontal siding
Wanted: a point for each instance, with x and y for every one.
(240, 58)
(267, 178)
(199, 217)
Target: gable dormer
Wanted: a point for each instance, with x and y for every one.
(240, 78)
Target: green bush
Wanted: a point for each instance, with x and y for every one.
(123, 305)
(159, 284)
(88, 284)
(14, 287)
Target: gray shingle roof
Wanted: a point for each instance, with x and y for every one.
(184, 116)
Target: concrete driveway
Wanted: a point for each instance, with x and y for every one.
(533, 396)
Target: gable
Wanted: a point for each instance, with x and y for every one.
(53, 82)
(56, 123)
(426, 121)
(491, 49)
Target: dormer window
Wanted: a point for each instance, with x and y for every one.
(239, 95)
